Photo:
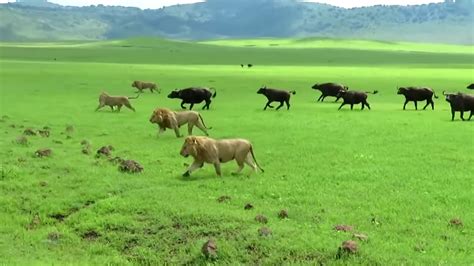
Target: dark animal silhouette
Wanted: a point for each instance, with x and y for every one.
(354, 97)
(193, 95)
(460, 102)
(329, 89)
(471, 86)
(416, 94)
(249, 65)
(242, 65)
(276, 95)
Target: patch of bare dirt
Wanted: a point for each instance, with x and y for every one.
(44, 133)
(343, 228)
(261, 219)
(456, 222)
(90, 235)
(105, 151)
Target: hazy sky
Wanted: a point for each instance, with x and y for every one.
(161, 3)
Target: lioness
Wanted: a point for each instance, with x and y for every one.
(166, 118)
(141, 85)
(111, 101)
(207, 150)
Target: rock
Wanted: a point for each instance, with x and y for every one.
(116, 160)
(44, 133)
(43, 153)
(344, 228)
(348, 247)
(283, 214)
(248, 206)
(261, 219)
(360, 236)
(224, 198)
(265, 231)
(105, 150)
(456, 222)
(29, 132)
(209, 249)
(130, 166)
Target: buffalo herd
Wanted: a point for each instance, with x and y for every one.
(460, 102)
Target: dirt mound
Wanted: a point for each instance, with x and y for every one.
(130, 166)
(261, 219)
(43, 153)
(209, 249)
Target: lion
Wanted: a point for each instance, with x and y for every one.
(141, 85)
(165, 118)
(111, 101)
(208, 150)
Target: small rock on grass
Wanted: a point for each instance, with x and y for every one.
(343, 227)
(43, 153)
(265, 231)
(209, 249)
(261, 219)
(348, 247)
(283, 214)
(361, 237)
(456, 222)
(105, 150)
(248, 206)
(224, 198)
(130, 166)
(29, 132)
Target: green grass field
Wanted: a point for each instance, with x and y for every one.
(396, 176)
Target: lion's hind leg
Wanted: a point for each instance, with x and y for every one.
(250, 162)
(129, 106)
(201, 127)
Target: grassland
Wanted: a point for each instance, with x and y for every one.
(397, 176)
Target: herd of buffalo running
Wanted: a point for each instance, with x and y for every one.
(208, 150)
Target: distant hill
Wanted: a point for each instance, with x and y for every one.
(448, 22)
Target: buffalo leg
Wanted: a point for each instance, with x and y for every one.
(368, 106)
(267, 105)
(352, 106)
(462, 115)
(416, 105)
(470, 116)
(206, 106)
(427, 103)
(239, 169)
(279, 106)
(452, 114)
(320, 97)
(191, 106)
(182, 105)
(405, 105)
(432, 104)
(119, 107)
(287, 104)
(324, 96)
(363, 106)
(337, 99)
(341, 106)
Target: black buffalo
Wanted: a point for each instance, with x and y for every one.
(276, 95)
(415, 94)
(460, 102)
(329, 89)
(354, 97)
(193, 95)
(471, 86)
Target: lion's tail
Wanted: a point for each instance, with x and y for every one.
(202, 121)
(255, 160)
(136, 97)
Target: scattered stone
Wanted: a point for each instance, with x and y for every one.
(248, 206)
(57, 142)
(86, 149)
(347, 247)
(344, 228)
(224, 198)
(35, 222)
(116, 160)
(456, 222)
(44, 133)
(54, 236)
(69, 129)
(22, 140)
(130, 166)
(105, 150)
(43, 183)
(209, 249)
(283, 214)
(90, 235)
(43, 153)
(261, 219)
(29, 132)
(265, 231)
(360, 236)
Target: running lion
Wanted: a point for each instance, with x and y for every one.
(165, 118)
(111, 101)
(207, 150)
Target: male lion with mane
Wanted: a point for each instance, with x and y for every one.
(111, 101)
(165, 118)
(207, 150)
